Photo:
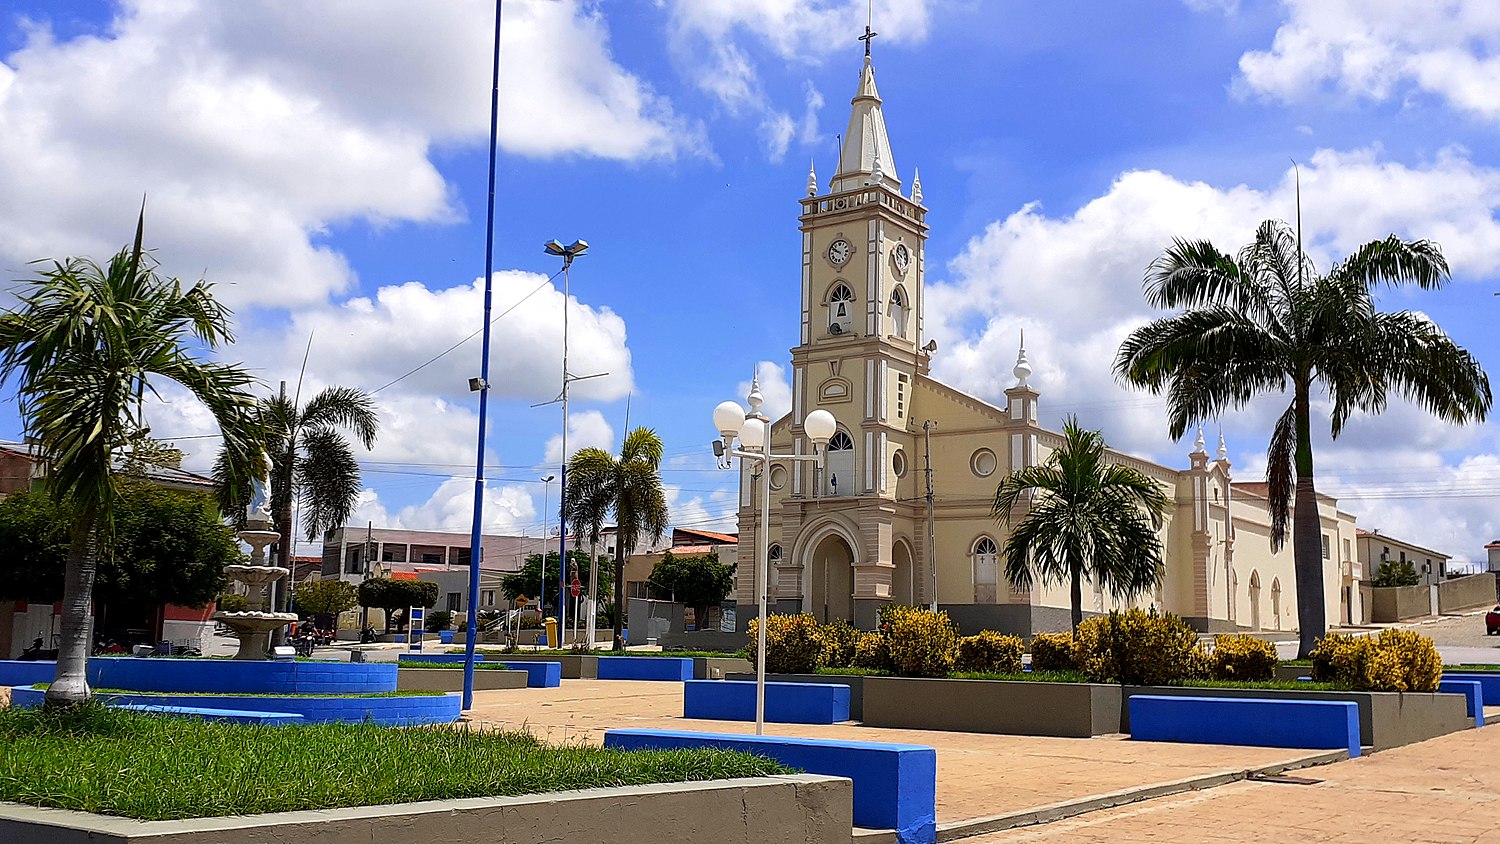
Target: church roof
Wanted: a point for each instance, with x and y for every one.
(866, 152)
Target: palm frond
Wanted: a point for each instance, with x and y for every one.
(1281, 474)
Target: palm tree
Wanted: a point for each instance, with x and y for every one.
(628, 488)
(81, 345)
(311, 462)
(1081, 516)
(1265, 321)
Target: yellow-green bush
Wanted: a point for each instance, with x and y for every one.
(838, 640)
(1052, 652)
(870, 653)
(921, 643)
(989, 651)
(1136, 647)
(1394, 661)
(1241, 657)
(792, 643)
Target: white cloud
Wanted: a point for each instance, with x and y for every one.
(774, 389)
(588, 429)
(508, 509)
(1376, 49)
(254, 126)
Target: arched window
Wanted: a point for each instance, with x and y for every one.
(840, 309)
(839, 465)
(898, 311)
(774, 554)
(986, 570)
(1276, 602)
(1254, 600)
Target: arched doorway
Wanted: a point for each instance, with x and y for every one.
(838, 465)
(903, 576)
(831, 570)
(1276, 602)
(986, 556)
(1254, 600)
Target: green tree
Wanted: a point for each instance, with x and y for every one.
(1266, 321)
(1397, 573)
(697, 580)
(528, 579)
(390, 595)
(1082, 516)
(81, 345)
(628, 488)
(324, 598)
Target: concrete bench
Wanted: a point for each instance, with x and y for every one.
(1473, 692)
(539, 675)
(432, 657)
(1256, 722)
(786, 703)
(895, 785)
(678, 669)
(205, 713)
(1489, 682)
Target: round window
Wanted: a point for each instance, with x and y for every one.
(778, 477)
(983, 463)
(898, 463)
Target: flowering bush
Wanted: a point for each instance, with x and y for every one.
(1394, 661)
(1241, 657)
(1052, 652)
(837, 641)
(871, 654)
(792, 643)
(1136, 647)
(989, 651)
(921, 643)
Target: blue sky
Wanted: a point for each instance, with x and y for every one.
(324, 164)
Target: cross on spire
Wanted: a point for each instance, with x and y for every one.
(867, 38)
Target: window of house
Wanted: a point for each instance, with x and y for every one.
(1325, 546)
(983, 463)
(840, 309)
(774, 554)
(432, 559)
(898, 311)
(353, 562)
(454, 601)
(900, 396)
(986, 561)
(839, 465)
(1347, 555)
(393, 553)
(898, 463)
(489, 597)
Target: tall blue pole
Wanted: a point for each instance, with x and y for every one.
(475, 546)
(562, 551)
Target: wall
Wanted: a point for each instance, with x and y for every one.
(1398, 603)
(1464, 593)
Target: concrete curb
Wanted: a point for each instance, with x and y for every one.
(1072, 808)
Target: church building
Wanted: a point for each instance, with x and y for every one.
(854, 535)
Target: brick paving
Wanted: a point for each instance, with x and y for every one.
(979, 775)
(1442, 791)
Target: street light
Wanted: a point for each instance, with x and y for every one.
(753, 431)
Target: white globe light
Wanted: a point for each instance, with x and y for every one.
(820, 426)
(729, 417)
(753, 435)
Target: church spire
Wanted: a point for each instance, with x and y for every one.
(865, 141)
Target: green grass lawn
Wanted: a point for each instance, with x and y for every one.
(113, 762)
(1077, 677)
(1471, 667)
(524, 651)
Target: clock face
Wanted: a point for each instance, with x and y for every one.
(839, 252)
(902, 257)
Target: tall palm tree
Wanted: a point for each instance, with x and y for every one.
(81, 344)
(311, 461)
(1082, 516)
(627, 488)
(1265, 321)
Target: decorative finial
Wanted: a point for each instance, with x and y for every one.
(916, 186)
(1198, 443)
(812, 180)
(877, 174)
(1022, 370)
(755, 398)
(1223, 450)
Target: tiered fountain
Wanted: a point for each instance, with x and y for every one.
(253, 626)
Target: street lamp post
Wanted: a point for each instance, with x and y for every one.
(541, 598)
(753, 431)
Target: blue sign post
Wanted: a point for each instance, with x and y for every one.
(416, 618)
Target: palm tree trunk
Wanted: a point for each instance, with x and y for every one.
(619, 644)
(1307, 535)
(70, 686)
(1075, 592)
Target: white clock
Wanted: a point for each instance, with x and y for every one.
(901, 257)
(839, 252)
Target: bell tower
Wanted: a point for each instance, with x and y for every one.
(860, 350)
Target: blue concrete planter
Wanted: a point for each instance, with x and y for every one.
(398, 711)
(1489, 682)
(539, 675)
(786, 703)
(445, 637)
(678, 669)
(1473, 692)
(229, 676)
(15, 672)
(1254, 722)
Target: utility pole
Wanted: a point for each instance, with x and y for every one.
(927, 426)
(364, 612)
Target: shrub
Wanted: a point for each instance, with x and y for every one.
(870, 653)
(1136, 647)
(922, 643)
(837, 641)
(1394, 573)
(1395, 661)
(230, 602)
(1052, 652)
(792, 643)
(989, 651)
(439, 620)
(1241, 657)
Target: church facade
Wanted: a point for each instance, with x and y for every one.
(855, 534)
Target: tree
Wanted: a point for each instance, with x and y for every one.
(627, 488)
(325, 598)
(1266, 321)
(1082, 516)
(697, 580)
(311, 462)
(391, 595)
(81, 345)
(170, 547)
(529, 581)
(1397, 573)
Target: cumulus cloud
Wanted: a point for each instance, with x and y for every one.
(1381, 49)
(254, 126)
(588, 429)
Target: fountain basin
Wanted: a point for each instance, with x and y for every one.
(253, 629)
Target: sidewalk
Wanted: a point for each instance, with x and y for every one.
(1438, 792)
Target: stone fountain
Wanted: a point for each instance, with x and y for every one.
(253, 626)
